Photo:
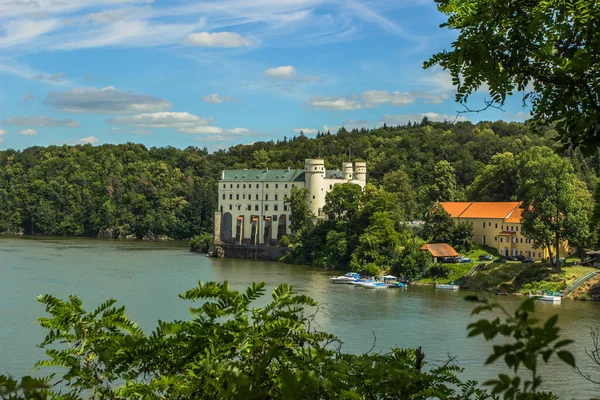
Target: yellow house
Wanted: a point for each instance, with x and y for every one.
(498, 225)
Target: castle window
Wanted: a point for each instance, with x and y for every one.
(521, 240)
(484, 224)
(313, 197)
(230, 196)
(275, 207)
(489, 224)
(266, 197)
(224, 185)
(230, 207)
(496, 226)
(275, 217)
(256, 207)
(256, 196)
(512, 228)
(231, 186)
(330, 187)
(500, 240)
(286, 185)
(239, 207)
(238, 185)
(257, 185)
(266, 207)
(223, 196)
(517, 228)
(495, 238)
(244, 196)
(267, 185)
(276, 186)
(249, 207)
(237, 196)
(221, 208)
(244, 186)
(285, 207)
(275, 196)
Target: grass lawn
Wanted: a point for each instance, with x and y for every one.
(525, 277)
(459, 270)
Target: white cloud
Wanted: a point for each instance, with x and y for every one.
(88, 140)
(22, 31)
(109, 16)
(417, 117)
(521, 116)
(285, 72)
(306, 131)
(335, 103)
(217, 39)
(41, 121)
(2, 133)
(28, 132)
(165, 119)
(239, 131)
(373, 99)
(216, 98)
(203, 130)
(108, 100)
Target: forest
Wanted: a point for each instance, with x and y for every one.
(128, 190)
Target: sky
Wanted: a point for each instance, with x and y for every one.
(218, 73)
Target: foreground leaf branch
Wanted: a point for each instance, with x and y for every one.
(232, 349)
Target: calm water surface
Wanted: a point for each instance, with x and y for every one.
(146, 277)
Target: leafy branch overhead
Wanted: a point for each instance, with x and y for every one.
(548, 51)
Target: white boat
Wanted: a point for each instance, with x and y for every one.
(449, 286)
(546, 297)
(350, 277)
(375, 285)
(392, 282)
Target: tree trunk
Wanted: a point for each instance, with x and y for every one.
(550, 253)
(557, 253)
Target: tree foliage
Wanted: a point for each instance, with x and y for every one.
(546, 50)
(233, 349)
(554, 207)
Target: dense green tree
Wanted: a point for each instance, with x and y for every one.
(497, 181)
(399, 183)
(547, 50)
(343, 202)
(443, 187)
(438, 226)
(462, 236)
(412, 261)
(300, 215)
(554, 207)
(378, 243)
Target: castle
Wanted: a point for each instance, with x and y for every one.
(251, 201)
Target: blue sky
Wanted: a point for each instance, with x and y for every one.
(218, 73)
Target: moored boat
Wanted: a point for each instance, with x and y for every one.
(375, 285)
(392, 282)
(447, 286)
(350, 277)
(549, 296)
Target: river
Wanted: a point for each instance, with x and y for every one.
(146, 277)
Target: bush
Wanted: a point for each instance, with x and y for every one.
(370, 269)
(284, 241)
(438, 271)
(201, 243)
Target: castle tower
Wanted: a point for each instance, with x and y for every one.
(361, 172)
(347, 171)
(314, 175)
